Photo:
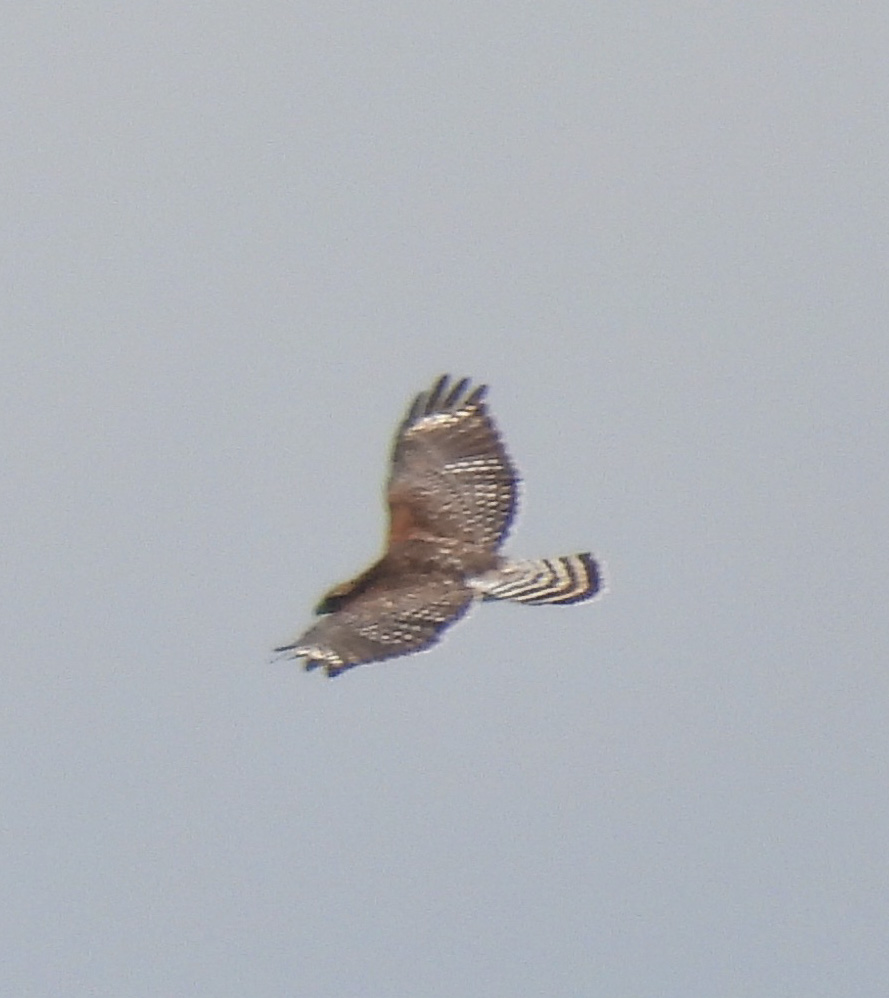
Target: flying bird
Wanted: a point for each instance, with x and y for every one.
(452, 494)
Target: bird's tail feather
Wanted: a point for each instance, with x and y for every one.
(569, 579)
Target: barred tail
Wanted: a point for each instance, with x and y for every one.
(570, 579)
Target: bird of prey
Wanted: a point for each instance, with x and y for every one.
(452, 494)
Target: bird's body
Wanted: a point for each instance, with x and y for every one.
(452, 494)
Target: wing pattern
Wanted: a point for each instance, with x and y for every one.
(451, 477)
(383, 621)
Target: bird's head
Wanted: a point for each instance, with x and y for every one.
(334, 598)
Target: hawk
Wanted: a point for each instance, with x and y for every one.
(452, 494)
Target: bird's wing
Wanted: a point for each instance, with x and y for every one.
(451, 477)
(387, 620)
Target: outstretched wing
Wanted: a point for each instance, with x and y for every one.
(451, 477)
(402, 616)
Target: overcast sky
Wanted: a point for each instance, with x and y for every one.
(236, 239)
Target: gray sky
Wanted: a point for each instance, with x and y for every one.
(236, 239)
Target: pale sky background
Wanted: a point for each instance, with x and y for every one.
(236, 239)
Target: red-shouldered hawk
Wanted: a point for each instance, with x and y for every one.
(451, 495)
